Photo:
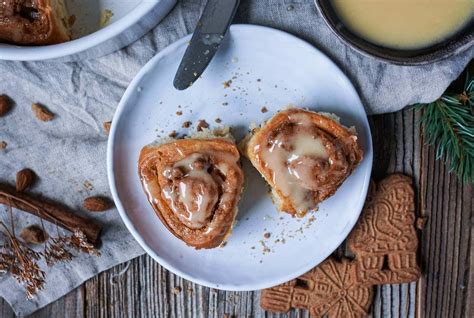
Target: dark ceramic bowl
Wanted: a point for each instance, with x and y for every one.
(458, 42)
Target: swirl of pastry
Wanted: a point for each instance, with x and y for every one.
(194, 186)
(304, 156)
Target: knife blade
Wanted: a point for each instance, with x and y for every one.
(208, 36)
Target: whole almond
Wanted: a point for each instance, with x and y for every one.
(107, 126)
(33, 234)
(97, 204)
(24, 178)
(41, 112)
(4, 105)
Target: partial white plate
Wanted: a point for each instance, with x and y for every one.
(131, 20)
(268, 68)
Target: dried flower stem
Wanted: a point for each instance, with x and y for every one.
(22, 261)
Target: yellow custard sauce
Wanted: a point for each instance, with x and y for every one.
(404, 24)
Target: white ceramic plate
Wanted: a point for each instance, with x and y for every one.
(90, 38)
(268, 68)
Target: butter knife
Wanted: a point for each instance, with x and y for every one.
(208, 36)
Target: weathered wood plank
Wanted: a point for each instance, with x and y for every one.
(446, 288)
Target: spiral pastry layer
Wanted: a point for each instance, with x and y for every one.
(304, 156)
(194, 186)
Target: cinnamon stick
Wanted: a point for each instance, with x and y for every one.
(50, 211)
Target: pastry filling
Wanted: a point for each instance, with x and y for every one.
(305, 162)
(195, 187)
(19, 9)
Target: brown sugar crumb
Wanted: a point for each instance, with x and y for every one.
(187, 124)
(173, 134)
(176, 290)
(3, 145)
(227, 83)
(264, 109)
(201, 125)
(218, 120)
(179, 113)
(267, 235)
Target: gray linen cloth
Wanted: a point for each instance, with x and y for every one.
(69, 152)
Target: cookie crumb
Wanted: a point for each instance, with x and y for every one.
(107, 125)
(176, 290)
(179, 113)
(201, 125)
(173, 134)
(267, 235)
(88, 185)
(187, 124)
(3, 145)
(264, 109)
(421, 223)
(227, 83)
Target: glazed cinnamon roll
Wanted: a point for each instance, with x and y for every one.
(304, 156)
(34, 22)
(194, 186)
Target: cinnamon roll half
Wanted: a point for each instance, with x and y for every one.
(194, 186)
(304, 156)
(34, 22)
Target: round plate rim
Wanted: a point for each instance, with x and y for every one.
(131, 227)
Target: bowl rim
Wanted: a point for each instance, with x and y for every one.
(46, 52)
(457, 43)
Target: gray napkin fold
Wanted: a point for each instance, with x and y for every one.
(69, 152)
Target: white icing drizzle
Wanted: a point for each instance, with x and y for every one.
(292, 159)
(197, 192)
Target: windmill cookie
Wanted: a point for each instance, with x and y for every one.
(384, 240)
(329, 289)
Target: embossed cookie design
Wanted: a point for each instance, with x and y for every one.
(384, 240)
(329, 289)
(384, 243)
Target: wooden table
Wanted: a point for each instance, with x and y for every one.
(445, 290)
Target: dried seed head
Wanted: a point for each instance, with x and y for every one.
(34, 234)
(24, 179)
(4, 105)
(41, 112)
(97, 204)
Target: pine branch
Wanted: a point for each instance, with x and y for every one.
(449, 125)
